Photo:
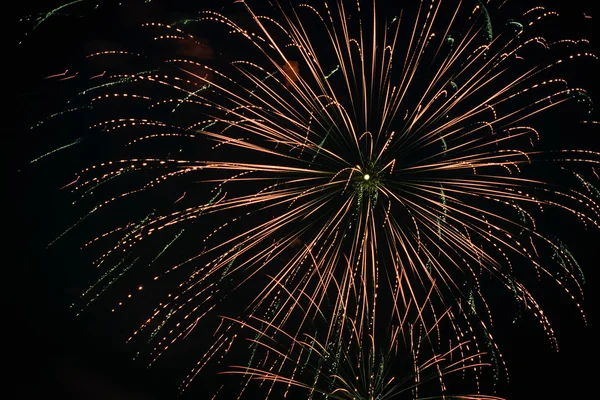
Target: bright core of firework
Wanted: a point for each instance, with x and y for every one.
(366, 177)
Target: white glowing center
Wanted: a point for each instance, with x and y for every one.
(367, 177)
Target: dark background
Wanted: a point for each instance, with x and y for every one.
(52, 353)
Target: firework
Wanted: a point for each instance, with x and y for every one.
(357, 158)
(400, 362)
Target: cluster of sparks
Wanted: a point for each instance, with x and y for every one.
(365, 171)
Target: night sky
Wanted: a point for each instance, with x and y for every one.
(53, 353)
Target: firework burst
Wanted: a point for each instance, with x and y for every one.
(399, 363)
(361, 159)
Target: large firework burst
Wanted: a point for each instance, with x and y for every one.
(341, 156)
